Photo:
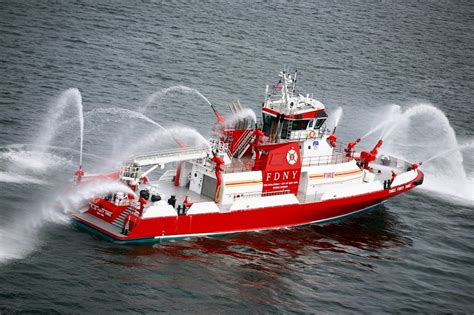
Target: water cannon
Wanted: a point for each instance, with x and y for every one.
(332, 138)
(368, 157)
(350, 147)
(375, 151)
(415, 166)
(79, 174)
(220, 118)
(219, 127)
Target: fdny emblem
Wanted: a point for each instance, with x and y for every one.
(291, 156)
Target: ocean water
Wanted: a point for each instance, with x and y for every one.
(407, 63)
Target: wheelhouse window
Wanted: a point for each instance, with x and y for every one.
(267, 123)
(319, 123)
(284, 130)
(299, 125)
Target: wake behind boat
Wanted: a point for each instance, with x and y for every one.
(288, 170)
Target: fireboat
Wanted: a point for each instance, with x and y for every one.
(286, 170)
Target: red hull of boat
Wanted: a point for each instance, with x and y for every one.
(253, 220)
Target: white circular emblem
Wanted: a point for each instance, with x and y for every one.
(291, 156)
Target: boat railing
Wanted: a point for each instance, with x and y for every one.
(219, 146)
(247, 166)
(392, 161)
(336, 158)
(171, 152)
(306, 134)
(164, 157)
(242, 166)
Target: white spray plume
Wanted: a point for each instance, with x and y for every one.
(424, 124)
(89, 190)
(245, 113)
(157, 96)
(70, 97)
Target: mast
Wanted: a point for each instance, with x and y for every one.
(285, 89)
(294, 82)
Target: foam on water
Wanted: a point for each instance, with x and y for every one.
(16, 244)
(20, 235)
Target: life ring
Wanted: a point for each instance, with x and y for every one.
(291, 156)
(312, 134)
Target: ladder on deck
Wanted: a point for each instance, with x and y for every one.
(288, 131)
(244, 143)
(120, 220)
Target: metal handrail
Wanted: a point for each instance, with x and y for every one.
(304, 134)
(219, 146)
(244, 167)
(326, 159)
(393, 161)
(168, 152)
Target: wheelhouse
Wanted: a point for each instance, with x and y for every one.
(293, 127)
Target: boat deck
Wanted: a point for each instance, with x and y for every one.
(167, 188)
(90, 219)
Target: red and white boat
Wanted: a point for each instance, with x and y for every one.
(287, 171)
